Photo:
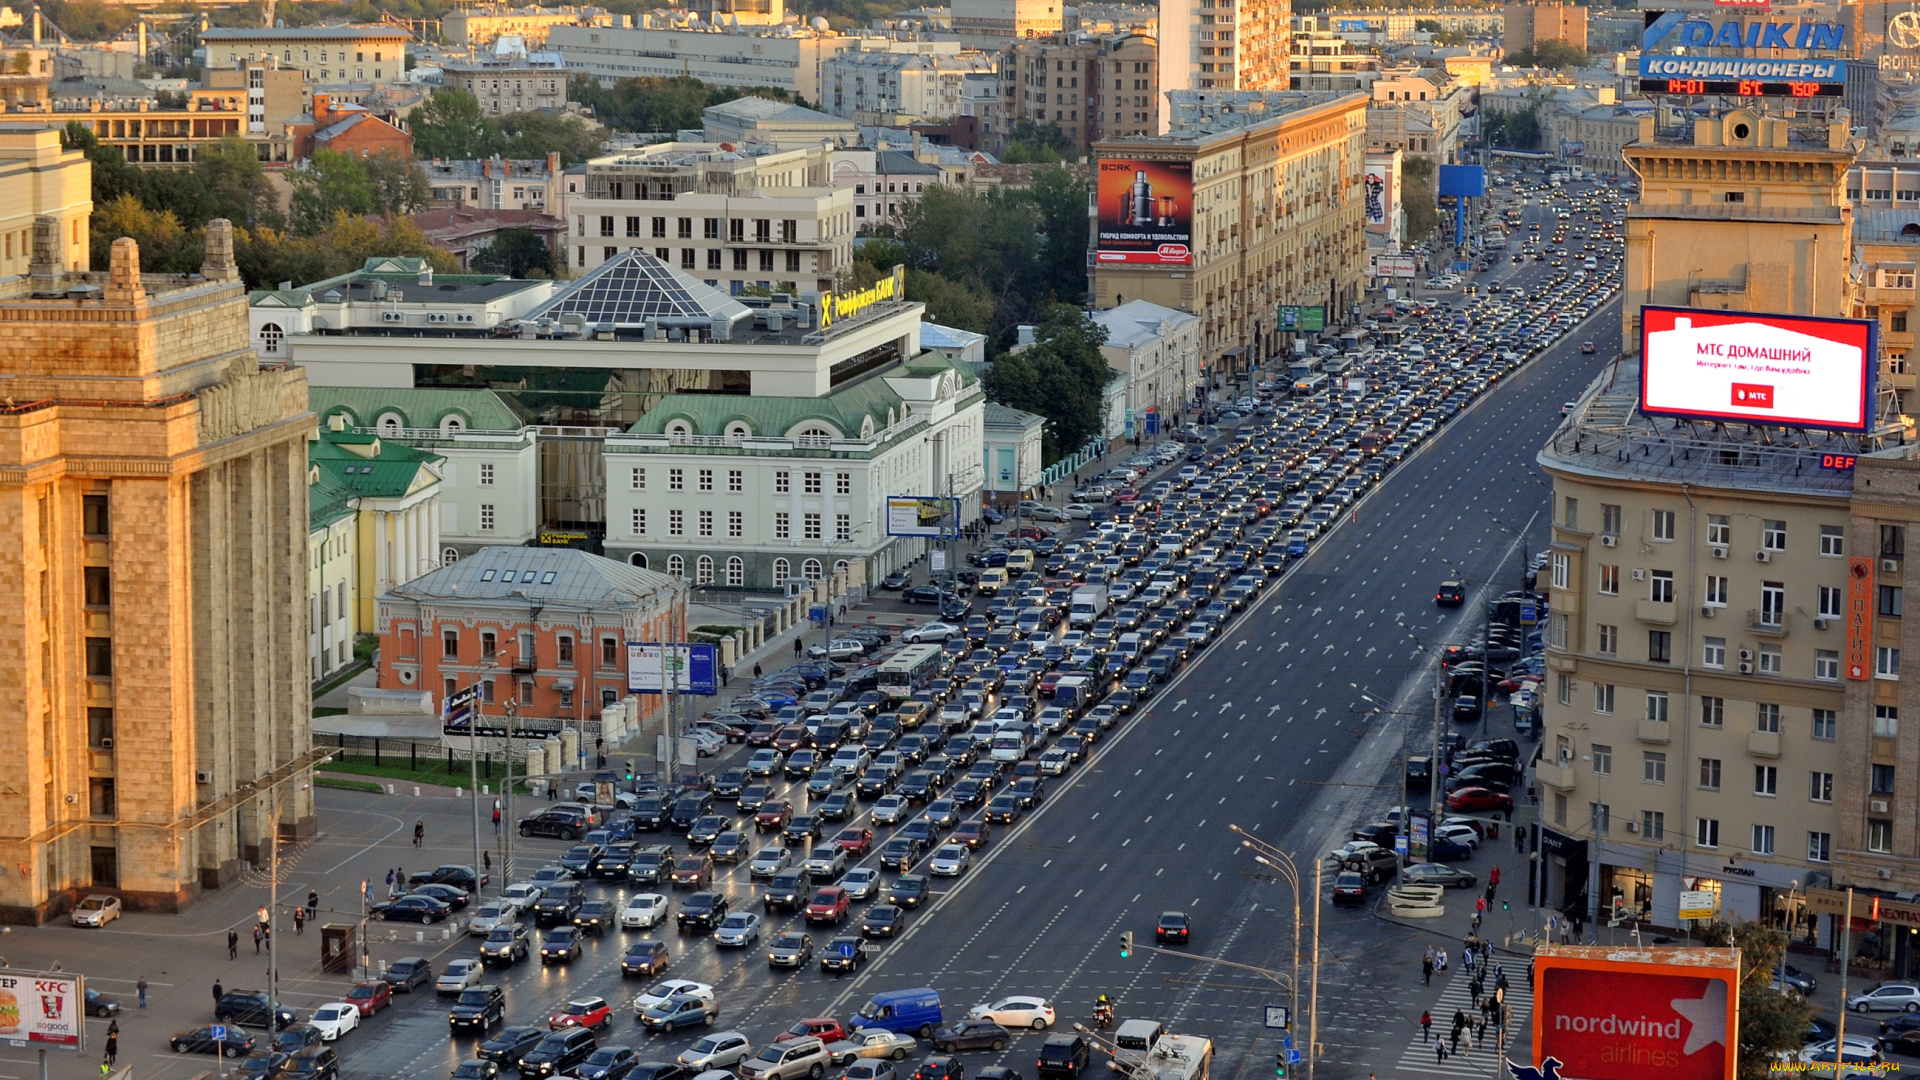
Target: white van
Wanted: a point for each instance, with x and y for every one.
(1137, 1035)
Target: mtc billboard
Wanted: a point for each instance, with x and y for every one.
(1789, 370)
(1609, 1013)
(1146, 212)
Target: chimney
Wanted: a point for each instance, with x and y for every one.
(45, 265)
(486, 168)
(123, 277)
(337, 422)
(219, 265)
(426, 274)
(322, 105)
(143, 40)
(36, 26)
(553, 165)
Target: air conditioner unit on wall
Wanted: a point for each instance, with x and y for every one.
(1746, 654)
(1609, 541)
(1633, 826)
(1890, 566)
(204, 776)
(1746, 668)
(1707, 611)
(1762, 556)
(1820, 624)
(1719, 553)
(1639, 574)
(1878, 806)
(1884, 873)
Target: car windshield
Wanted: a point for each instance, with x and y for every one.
(474, 997)
(581, 1008)
(665, 989)
(330, 1012)
(502, 935)
(93, 903)
(707, 1045)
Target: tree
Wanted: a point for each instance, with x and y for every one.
(329, 184)
(450, 125)
(267, 257)
(1061, 377)
(533, 134)
(657, 104)
(1030, 141)
(1552, 53)
(166, 247)
(233, 185)
(1770, 1021)
(398, 186)
(519, 253)
(112, 176)
(1416, 197)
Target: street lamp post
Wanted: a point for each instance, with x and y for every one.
(1280, 862)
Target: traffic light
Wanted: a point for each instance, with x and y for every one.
(629, 772)
(1504, 906)
(1126, 944)
(1280, 1065)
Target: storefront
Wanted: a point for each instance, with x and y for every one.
(1561, 862)
(1885, 937)
(1641, 885)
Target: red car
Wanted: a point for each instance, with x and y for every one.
(763, 733)
(774, 814)
(825, 1028)
(1479, 798)
(586, 1012)
(855, 841)
(830, 904)
(974, 833)
(1050, 681)
(371, 996)
(790, 738)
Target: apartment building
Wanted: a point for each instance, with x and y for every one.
(1323, 60)
(752, 215)
(994, 24)
(498, 183)
(1279, 211)
(784, 58)
(481, 26)
(1216, 45)
(253, 98)
(1159, 349)
(514, 85)
(1417, 111)
(1529, 24)
(328, 55)
(1090, 87)
(887, 88)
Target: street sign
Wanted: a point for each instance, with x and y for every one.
(817, 613)
(1529, 614)
(1700, 904)
(937, 561)
(1400, 844)
(219, 1032)
(847, 949)
(1277, 1016)
(1293, 1057)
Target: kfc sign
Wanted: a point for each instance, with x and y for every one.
(1620, 1014)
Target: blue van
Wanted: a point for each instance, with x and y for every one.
(912, 1012)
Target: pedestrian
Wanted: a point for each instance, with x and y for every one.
(796, 647)
(1466, 959)
(299, 921)
(142, 986)
(1493, 877)
(313, 903)
(1440, 960)
(1439, 1052)
(1579, 920)
(218, 990)
(1520, 841)
(1426, 1025)
(756, 671)
(1479, 905)
(1500, 981)
(1492, 887)
(1426, 969)
(419, 831)
(1476, 920)
(1529, 973)
(496, 821)
(486, 861)
(113, 1041)
(1454, 1039)
(233, 944)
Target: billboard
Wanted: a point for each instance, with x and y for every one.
(1397, 266)
(1745, 367)
(41, 1008)
(695, 667)
(1294, 319)
(1376, 185)
(933, 516)
(1146, 212)
(1459, 180)
(1608, 1013)
(1741, 76)
(1667, 30)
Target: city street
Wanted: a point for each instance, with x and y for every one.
(1264, 730)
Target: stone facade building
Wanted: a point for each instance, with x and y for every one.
(153, 496)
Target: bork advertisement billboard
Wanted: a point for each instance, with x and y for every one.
(1789, 370)
(1146, 212)
(1607, 1013)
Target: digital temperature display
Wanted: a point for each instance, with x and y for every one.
(1742, 88)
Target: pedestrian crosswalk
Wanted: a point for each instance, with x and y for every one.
(1419, 1062)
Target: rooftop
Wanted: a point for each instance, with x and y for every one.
(1607, 436)
(549, 577)
(1137, 322)
(759, 108)
(1196, 115)
(636, 289)
(303, 33)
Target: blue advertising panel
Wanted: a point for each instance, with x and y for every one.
(1668, 30)
(1468, 181)
(694, 667)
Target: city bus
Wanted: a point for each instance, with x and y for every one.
(911, 670)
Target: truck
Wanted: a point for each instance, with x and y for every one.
(1089, 603)
(1172, 1057)
(1073, 692)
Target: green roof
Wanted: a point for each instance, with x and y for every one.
(394, 469)
(477, 410)
(933, 362)
(328, 500)
(844, 409)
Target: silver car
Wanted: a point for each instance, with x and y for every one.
(769, 862)
(720, 1050)
(861, 882)
(737, 930)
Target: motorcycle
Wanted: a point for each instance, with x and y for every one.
(1103, 1016)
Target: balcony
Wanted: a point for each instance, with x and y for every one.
(1559, 777)
(1764, 744)
(1767, 623)
(1654, 731)
(1661, 612)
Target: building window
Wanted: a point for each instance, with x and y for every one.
(1763, 839)
(1660, 586)
(736, 572)
(609, 652)
(1766, 780)
(782, 482)
(1610, 519)
(639, 521)
(1653, 825)
(489, 644)
(1657, 706)
(486, 517)
(1660, 646)
(1833, 540)
(706, 523)
(1819, 847)
(564, 649)
(782, 570)
(1559, 809)
(703, 570)
(1771, 660)
(676, 522)
(1557, 630)
(1766, 717)
(449, 645)
(736, 524)
(1830, 600)
(676, 479)
(1662, 522)
(1773, 535)
(1719, 530)
(1890, 601)
(1609, 640)
(1716, 592)
(1654, 767)
(736, 481)
(1714, 655)
(1564, 687)
(1773, 602)
(486, 474)
(1603, 698)
(1609, 580)
(1562, 570)
(811, 526)
(1893, 541)
(811, 570)
(1602, 818)
(270, 338)
(1573, 512)
(1713, 712)
(706, 479)
(1706, 832)
(843, 526)
(1710, 774)
(608, 697)
(97, 587)
(782, 525)
(1602, 760)
(1820, 786)
(99, 658)
(100, 797)
(842, 483)
(100, 728)
(1879, 835)
(812, 483)
(1824, 723)
(1886, 721)
(1883, 779)
(94, 516)
(1826, 665)
(639, 480)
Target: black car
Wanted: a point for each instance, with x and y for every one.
(651, 865)
(476, 1069)
(250, 1007)
(613, 865)
(557, 1052)
(561, 945)
(581, 859)
(313, 1063)
(200, 1040)
(561, 824)
(507, 1047)
(460, 877)
(844, 954)
(262, 1066)
(411, 908)
(297, 1038)
(404, 975)
(478, 1008)
(455, 898)
(1450, 594)
(909, 891)
(608, 1063)
(594, 916)
(1173, 928)
(882, 920)
(701, 912)
(1350, 888)
(971, 1035)
(730, 846)
(559, 905)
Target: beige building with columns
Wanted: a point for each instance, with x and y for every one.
(153, 499)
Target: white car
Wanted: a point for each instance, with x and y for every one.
(1464, 834)
(933, 631)
(707, 743)
(826, 864)
(1018, 1011)
(522, 895)
(459, 975)
(738, 930)
(488, 916)
(666, 988)
(1080, 511)
(643, 911)
(335, 1020)
(861, 882)
(1350, 850)
(719, 1050)
(770, 861)
(950, 860)
(96, 910)
(889, 810)
(839, 649)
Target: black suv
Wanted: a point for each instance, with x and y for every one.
(701, 912)
(507, 1047)
(651, 865)
(1376, 865)
(788, 891)
(313, 1063)
(1063, 1055)
(555, 823)
(559, 1051)
(249, 1007)
(478, 1007)
(690, 808)
(559, 905)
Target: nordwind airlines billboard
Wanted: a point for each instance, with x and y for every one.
(1747, 367)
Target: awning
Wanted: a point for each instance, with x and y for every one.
(563, 684)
